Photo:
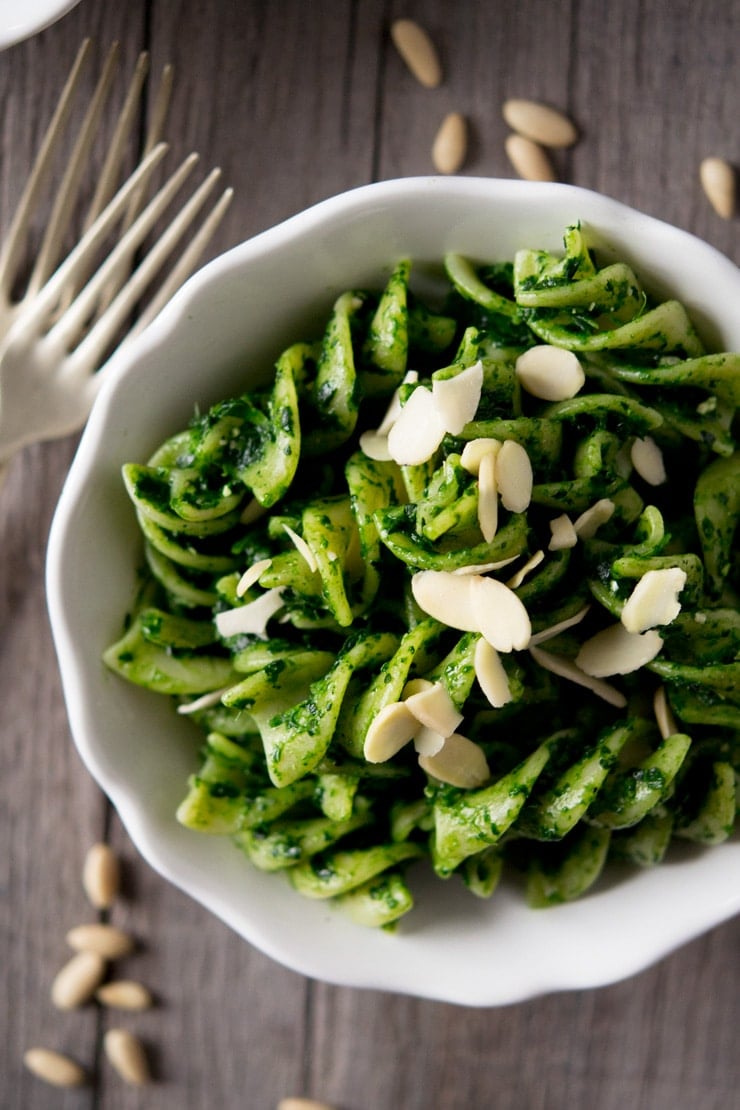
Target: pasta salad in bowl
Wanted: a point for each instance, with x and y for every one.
(406, 604)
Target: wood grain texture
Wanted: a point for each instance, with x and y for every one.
(298, 101)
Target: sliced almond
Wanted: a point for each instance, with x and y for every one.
(588, 523)
(514, 476)
(393, 727)
(719, 181)
(450, 145)
(529, 159)
(124, 994)
(491, 675)
(647, 459)
(457, 398)
(127, 1055)
(428, 741)
(539, 122)
(459, 762)
(501, 616)
(667, 725)
(418, 431)
(484, 568)
(563, 533)
(446, 597)
(415, 686)
(418, 51)
(487, 497)
(566, 668)
(654, 599)
(107, 940)
(473, 603)
(475, 450)
(531, 564)
(393, 411)
(375, 446)
(250, 618)
(205, 701)
(614, 650)
(434, 708)
(54, 1067)
(550, 373)
(101, 876)
(555, 629)
(76, 983)
(251, 576)
(301, 547)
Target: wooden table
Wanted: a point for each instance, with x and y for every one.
(297, 101)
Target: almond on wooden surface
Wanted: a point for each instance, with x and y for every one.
(124, 994)
(719, 182)
(76, 982)
(450, 146)
(54, 1067)
(101, 876)
(418, 51)
(107, 940)
(539, 122)
(127, 1055)
(529, 159)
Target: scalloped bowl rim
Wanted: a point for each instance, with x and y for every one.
(452, 947)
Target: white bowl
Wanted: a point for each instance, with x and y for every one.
(227, 325)
(20, 19)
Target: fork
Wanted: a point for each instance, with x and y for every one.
(58, 335)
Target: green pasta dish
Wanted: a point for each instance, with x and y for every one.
(459, 585)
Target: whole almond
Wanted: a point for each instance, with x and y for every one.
(719, 183)
(78, 980)
(418, 51)
(124, 994)
(539, 122)
(126, 1053)
(101, 876)
(106, 940)
(450, 144)
(54, 1067)
(529, 159)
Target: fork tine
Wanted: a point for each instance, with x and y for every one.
(94, 344)
(109, 173)
(185, 265)
(48, 296)
(114, 157)
(153, 135)
(112, 273)
(15, 239)
(61, 212)
(161, 107)
(154, 131)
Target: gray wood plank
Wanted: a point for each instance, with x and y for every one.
(642, 1043)
(651, 108)
(282, 96)
(488, 55)
(51, 809)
